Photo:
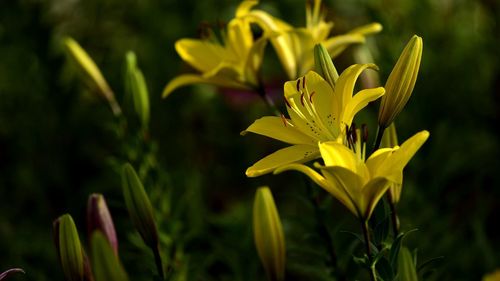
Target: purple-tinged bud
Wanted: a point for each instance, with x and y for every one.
(99, 218)
(8, 272)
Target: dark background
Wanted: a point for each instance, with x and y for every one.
(58, 142)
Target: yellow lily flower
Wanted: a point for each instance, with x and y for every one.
(234, 63)
(294, 46)
(318, 113)
(356, 183)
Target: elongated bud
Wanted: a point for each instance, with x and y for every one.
(268, 234)
(324, 65)
(69, 248)
(136, 89)
(401, 81)
(139, 206)
(106, 265)
(99, 218)
(88, 66)
(390, 139)
(406, 265)
(8, 272)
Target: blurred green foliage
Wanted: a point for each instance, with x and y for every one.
(59, 143)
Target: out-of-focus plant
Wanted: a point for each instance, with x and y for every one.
(141, 212)
(99, 218)
(268, 234)
(294, 46)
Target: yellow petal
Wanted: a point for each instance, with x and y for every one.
(239, 38)
(336, 154)
(372, 193)
(400, 157)
(345, 84)
(367, 29)
(276, 128)
(299, 153)
(254, 60)
(245, 7)
(359, 101)
(274, 29)
(336, 44)
(346, 186)
(188, 79)
(200, 54)
(312, 174)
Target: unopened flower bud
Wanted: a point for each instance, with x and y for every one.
(99, 218)
(69, 248)
(268, 234)
(105, 263)
(136, 89)
(8, 272)
(139, 206)
(401, 81)
(90, 69)
(324, 65)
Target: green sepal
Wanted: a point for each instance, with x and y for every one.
(105, 263)
(69, 247)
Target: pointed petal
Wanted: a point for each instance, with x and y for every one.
(346, 187)
(359, 101)
(239, 38)
(188, 79)
(200, 54)
(372, 193)
(345, 84)
(402, 156)
(276, 128)
(245, 7)
(274, 29)
(337, 155)
(337, 44)
(254, 60)
(312, 174)
(371, 28)
(299, 153)
(397, 160)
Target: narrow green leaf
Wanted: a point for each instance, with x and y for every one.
(384, 269)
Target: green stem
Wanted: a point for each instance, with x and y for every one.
(394, 216)
(378, 139)
(366, 234)
(158, 262)
(323, 232)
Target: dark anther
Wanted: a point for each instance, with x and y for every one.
(221, 24)
(364, 132)
(286, 102)
(283, 118)
(302, 99)
(298, 85)
(304, 82)
(311, 96)
(204, 30)
(354, 134)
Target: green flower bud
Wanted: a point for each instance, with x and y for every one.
(99, 218)
(401, 81)
(324, 65)
(69, 248)
(139, 207)
(106, 265)
(268, 234)
(406, 266)
(91, 71)
(136, 89)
